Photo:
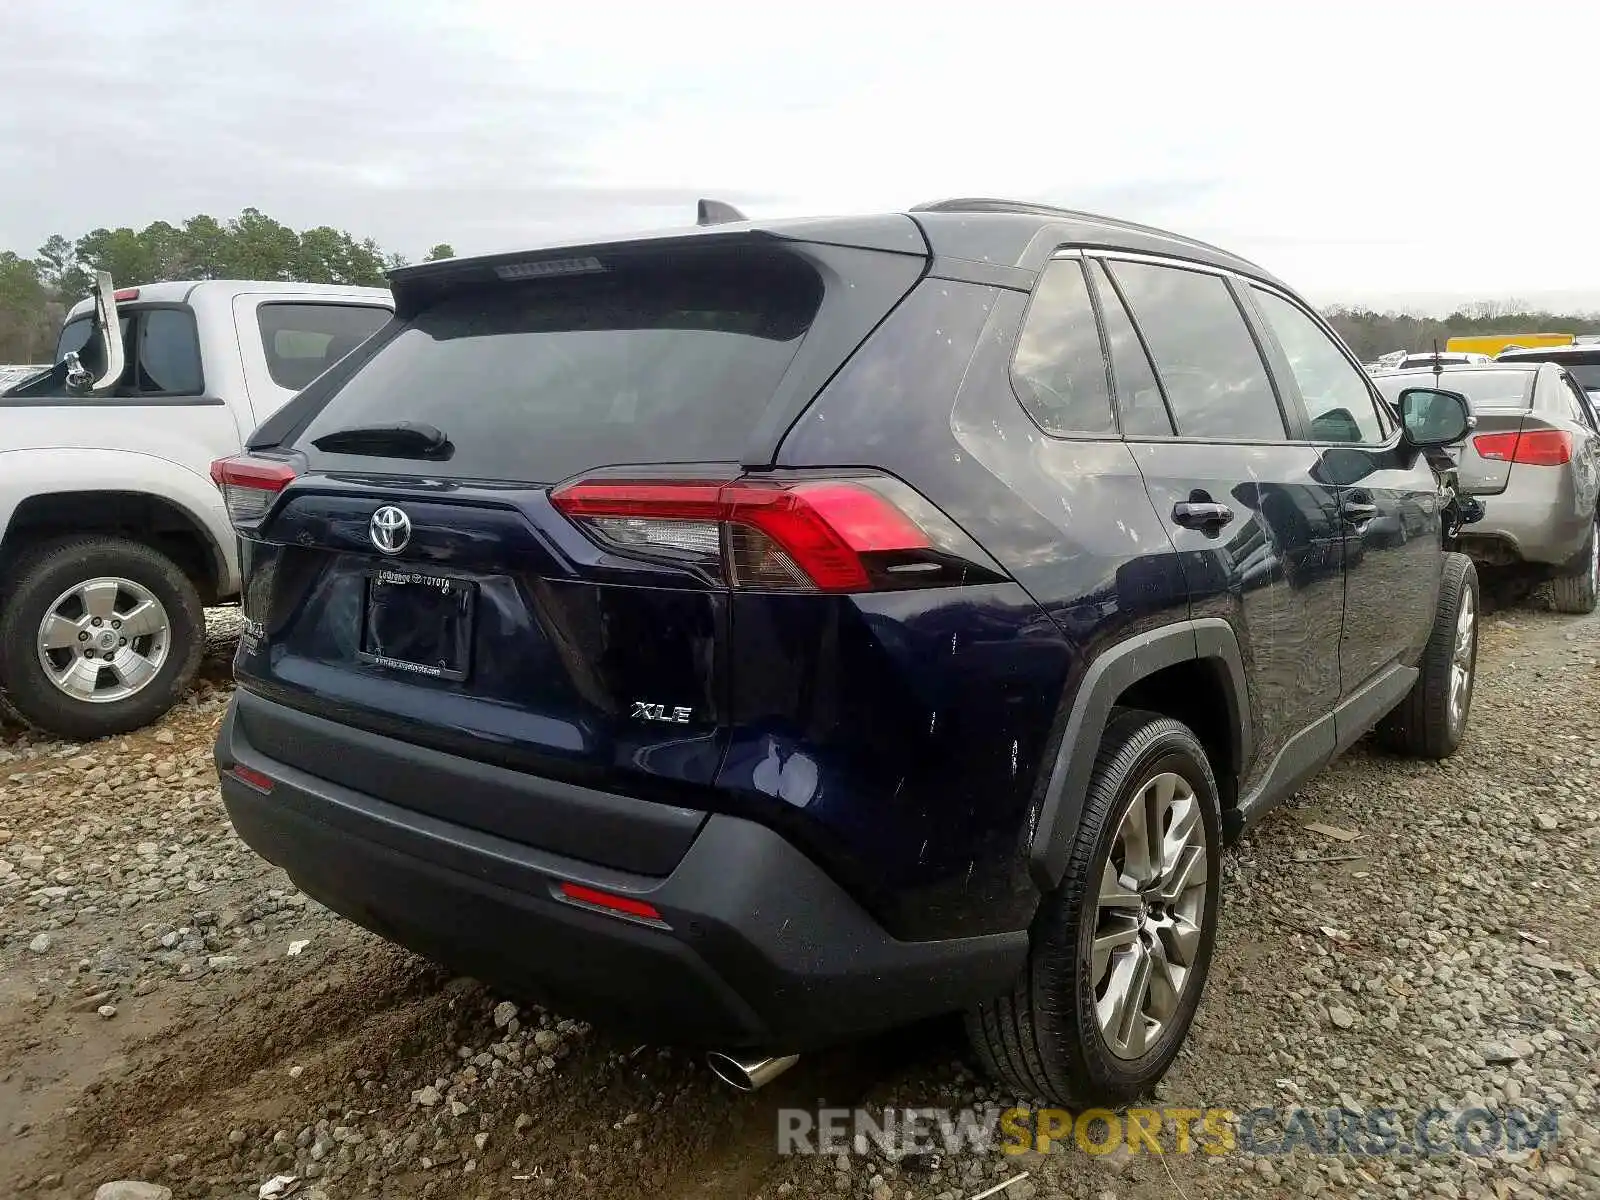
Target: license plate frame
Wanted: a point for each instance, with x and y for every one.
(454, 600)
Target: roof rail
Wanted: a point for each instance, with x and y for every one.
(986, 204)
(715, 212)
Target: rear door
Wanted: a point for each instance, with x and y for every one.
(1256, 529)
(1388, 498)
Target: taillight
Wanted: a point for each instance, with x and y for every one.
(249, 486)
(1535, 447)
(806, 535)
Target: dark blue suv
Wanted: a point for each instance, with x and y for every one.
(766, 633)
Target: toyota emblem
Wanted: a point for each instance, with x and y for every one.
(390, 529)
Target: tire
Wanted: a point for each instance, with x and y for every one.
(1577, 588)
(1427, 723)
(145, 675)
(1045, 1038)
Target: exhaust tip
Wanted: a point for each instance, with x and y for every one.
(748, 1074)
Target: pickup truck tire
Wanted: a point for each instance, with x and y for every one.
(66, 600)
(1431, 721)
(1115, 971)
(1577, 588)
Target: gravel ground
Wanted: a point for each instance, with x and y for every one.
(173, 1010)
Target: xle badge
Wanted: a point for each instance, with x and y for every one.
(645, 711)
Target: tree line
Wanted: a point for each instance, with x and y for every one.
(1370, 333)
(36, 292)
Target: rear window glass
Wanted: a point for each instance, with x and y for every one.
(670, 363)
(169, 353)
(301, 341)
(1483, 389)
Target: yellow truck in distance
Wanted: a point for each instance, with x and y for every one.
(1492, 343)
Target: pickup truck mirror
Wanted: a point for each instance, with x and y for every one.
(80, 380)
(1433, 417)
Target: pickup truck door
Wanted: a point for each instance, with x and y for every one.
(287, 340)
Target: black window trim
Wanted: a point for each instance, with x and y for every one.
(1073, 435)
(1231, 280)
(132, 397)
(1144, 348)
(1280, 361)
(320, 302)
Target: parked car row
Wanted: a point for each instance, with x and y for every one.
(1532, 461)
(766, 633)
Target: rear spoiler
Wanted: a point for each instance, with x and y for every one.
(416, 288)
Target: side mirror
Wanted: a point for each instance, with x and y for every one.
(1432, 417)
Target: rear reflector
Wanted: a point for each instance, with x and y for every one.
(249, 485)
(833, 535)
(252, 778)
(1535, 447)
(592, 898)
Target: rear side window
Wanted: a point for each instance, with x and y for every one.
(663, 362)
(1205, 356)
(168, 362)
(1140, 404)
(1060, 367)
(1334, 389)
(301, 341)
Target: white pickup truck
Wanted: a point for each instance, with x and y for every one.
(112, 536)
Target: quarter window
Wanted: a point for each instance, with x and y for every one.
(1060, 367)
(1204, 354)
(1335, 392)
(169, 353)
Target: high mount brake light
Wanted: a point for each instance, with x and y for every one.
(809, 535)
(1534, 447)
(249, 485)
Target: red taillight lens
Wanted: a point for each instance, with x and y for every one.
(834, 535)
(625, 905)
(249, 485)
(125, 295)
(1536, 447)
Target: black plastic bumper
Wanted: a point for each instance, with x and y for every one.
(757, 950)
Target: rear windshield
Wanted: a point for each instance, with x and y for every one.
(1484, 389)
(673, 362)
(1584, 365)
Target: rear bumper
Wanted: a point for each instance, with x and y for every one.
(1535, 520)
(757, 949)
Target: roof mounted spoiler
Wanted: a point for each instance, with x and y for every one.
(715, 212)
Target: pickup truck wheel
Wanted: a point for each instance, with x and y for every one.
(1577, 588)
(1121, 948)
(98, 635)
(1431, 721)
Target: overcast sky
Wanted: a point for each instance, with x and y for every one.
(1391, 153)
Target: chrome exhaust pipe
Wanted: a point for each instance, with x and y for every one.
(747, 1074)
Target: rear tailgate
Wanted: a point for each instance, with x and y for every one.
(444, 602)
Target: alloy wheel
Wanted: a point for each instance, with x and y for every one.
(104, 639)
(1149, 915)
(1461, 660)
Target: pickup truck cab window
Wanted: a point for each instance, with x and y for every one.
(161, 346)
(303, 340)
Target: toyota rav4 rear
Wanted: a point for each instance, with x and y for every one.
(552, 674)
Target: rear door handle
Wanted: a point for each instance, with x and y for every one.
(1193, 514)
(1357, 513)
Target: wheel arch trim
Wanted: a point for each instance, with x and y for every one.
(1111, 673)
